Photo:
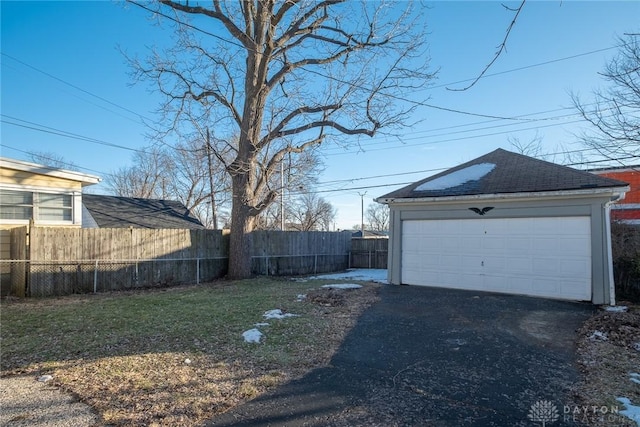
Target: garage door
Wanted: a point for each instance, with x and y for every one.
(548, 257)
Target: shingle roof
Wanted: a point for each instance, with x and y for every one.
(511, 173)
(124, 212)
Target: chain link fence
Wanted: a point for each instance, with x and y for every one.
(54, 278)
(291, 265)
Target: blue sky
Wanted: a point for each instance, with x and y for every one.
(62, 67)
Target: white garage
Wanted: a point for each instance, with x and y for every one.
(548, 257)
(505, 223)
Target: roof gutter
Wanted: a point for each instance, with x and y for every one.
(616, 193)
(83, 178)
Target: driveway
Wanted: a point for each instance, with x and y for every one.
(436, 357)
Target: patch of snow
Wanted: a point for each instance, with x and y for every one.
(631, 411)
(301, 297)
(252, 335)
(45, 378)
(457, 178)
(277, 314)
(636, 346)
(599, 335)
(299, 279)
(259, 325)
(635, 377)
(187, 361)
(617, 308)
(368, 275)
(342, 286)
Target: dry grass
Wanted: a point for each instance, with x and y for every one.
(176, 357)
(606, 364)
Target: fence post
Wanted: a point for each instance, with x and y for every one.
(315, 264)
(95, 278)
(197, 271)
(369, 259)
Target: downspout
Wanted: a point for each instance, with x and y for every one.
(607, 226)
(607, 219)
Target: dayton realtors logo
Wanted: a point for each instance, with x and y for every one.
(543, 412)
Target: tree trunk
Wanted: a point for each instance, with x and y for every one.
(242, 224)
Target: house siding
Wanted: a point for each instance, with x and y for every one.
(29, 180)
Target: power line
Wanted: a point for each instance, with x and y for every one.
(53, 131)
(418, 103)
(68, 164)
(351, 84)
(140, 116)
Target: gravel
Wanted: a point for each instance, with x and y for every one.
(27, 402)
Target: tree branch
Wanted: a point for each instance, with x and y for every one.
(501, 48)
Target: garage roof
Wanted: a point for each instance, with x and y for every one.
(503, 172)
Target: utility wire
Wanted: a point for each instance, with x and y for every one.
(53, 131)
(140, 116)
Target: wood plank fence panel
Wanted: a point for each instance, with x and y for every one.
(16, 273)
(299, 252)
(74, 260)
(369, 253)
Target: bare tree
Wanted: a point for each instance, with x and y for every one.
(199, 181)
(312, 213)
(377, 216)
(180, 173)
(52, 160)
(280, 77)
(615, 113)
(148, 177)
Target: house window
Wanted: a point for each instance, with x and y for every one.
(24, 205)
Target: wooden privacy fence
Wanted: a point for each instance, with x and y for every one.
(369, 253)
(278, 253)
(60, 261)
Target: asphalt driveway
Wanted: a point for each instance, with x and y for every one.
(436, 357)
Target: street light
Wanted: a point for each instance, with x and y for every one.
(362, 213)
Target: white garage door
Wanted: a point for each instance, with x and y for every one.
(548, 257)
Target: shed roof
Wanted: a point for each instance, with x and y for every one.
(125, 212)
(503, 172)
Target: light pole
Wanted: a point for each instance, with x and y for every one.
(282, 195)
(362, 213)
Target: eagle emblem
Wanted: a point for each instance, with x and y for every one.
(481, 211)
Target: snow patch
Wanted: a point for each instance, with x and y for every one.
(631, 411)
(367, 275)
(258, 325)
(342, 286)
(45, 378)
(277, 314)
(635, 377)
(252, 335)
(599, 335)
(301, 297)
(617, 308)
(636, 346)
(457, 178)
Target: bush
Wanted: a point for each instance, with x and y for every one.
(625, 245)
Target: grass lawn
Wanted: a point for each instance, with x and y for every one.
(176, 356)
